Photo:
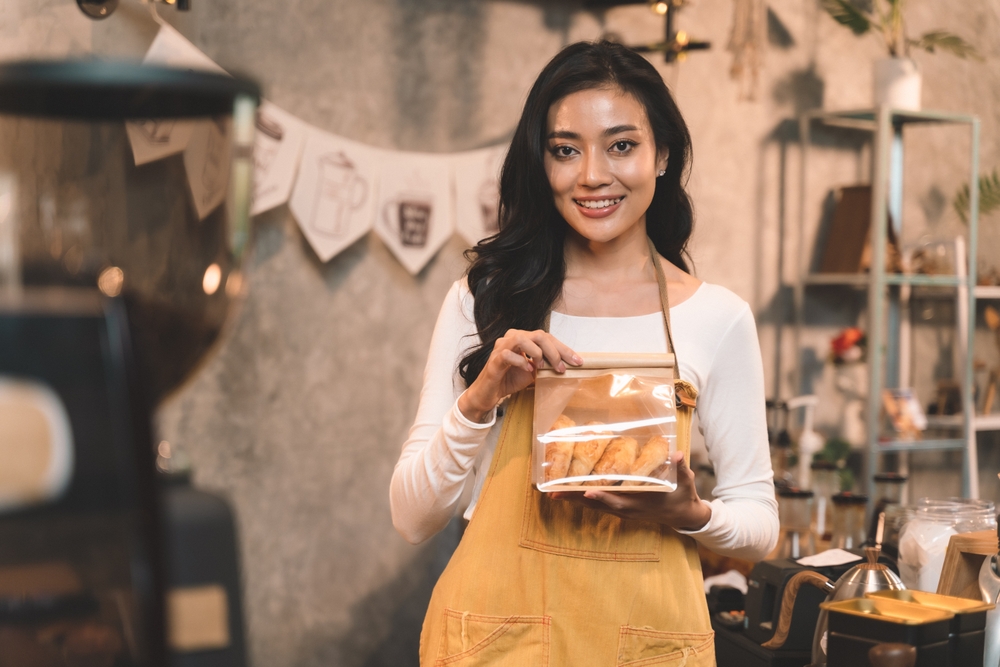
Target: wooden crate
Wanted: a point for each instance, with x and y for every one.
(962, 562)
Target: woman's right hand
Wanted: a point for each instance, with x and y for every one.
(512, 365)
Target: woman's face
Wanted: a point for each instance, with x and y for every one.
(602, 162)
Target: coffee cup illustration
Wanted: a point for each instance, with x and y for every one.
(409, 215)
(270, 134)
(339, 190)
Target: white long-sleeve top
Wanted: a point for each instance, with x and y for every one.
(717, 348)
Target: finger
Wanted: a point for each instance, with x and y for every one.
(530, 349)
(556, 352)
(510, 358)
(680, 463)
(614, 501)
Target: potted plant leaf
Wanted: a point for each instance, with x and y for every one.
(897, 78)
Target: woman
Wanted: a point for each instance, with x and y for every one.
(591, 183)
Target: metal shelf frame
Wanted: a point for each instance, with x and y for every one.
(883, 311)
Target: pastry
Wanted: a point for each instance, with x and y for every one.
(558, 454)
(616, 460)
(654, 455)
(587, 453)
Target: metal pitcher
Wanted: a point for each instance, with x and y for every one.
(866, 577)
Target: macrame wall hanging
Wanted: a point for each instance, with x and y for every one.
(747, 42)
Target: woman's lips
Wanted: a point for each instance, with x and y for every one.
(598, 208)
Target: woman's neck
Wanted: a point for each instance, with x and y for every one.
(611, 279)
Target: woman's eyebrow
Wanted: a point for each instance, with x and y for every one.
(615, 129)
(563, 134)
(620, 128)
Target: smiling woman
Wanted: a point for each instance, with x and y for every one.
(594, 222)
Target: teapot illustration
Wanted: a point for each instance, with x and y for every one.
(339, 190)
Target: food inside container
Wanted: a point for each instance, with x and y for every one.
(608, 424)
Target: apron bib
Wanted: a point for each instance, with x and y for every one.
(537, 581)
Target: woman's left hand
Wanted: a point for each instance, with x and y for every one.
(681, 509)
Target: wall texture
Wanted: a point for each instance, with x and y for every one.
(299, 417)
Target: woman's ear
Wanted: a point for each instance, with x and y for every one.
(662, 158)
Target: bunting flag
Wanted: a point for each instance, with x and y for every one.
(335, 192)
(276, 151)
(155, 139)
(414, 215)
(477, 192)
(206, 162)
(336, 189)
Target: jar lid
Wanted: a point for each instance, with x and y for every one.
(848, 498)
(794, 492)
(823, 465)
(893, 477)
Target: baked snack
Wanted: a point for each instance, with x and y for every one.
(616, 460)
(653, 456)
(588, 452)
(558, 454)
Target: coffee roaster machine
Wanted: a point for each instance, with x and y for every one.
(115, 282)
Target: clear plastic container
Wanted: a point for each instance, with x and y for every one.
(890, 488)
(795, 517)
(610, 424)
(848, 520)
(825, 483)
(923, 540)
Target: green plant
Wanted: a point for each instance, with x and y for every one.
(886, 16)
(989, 196)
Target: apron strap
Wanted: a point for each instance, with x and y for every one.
(661, 283)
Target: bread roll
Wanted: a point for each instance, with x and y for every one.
(654, 455)
(587, 453)
(558, 454)
(616, 460)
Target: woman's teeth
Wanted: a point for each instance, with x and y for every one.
(599, 203)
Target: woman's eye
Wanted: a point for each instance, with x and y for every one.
(622, 146)
(563, 151)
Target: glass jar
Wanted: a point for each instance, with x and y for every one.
(795, 517)
(896, 517)
(923, 540)
(848, 520)
(889, 490)
(825, 483)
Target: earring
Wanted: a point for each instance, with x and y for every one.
(661, 172)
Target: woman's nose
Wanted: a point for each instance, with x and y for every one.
(594, 169)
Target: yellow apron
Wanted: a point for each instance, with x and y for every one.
(537, 581)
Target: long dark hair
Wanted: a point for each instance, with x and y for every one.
(517, 274)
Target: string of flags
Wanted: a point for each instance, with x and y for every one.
(338, 190)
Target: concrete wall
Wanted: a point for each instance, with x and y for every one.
(299, 417)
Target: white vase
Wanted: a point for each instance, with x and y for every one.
(897, 84)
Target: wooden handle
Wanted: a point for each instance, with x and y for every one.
(788, 604)
(892, 655)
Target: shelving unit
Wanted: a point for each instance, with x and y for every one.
(889, 294)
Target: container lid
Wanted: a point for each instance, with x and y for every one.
(848, 498)
(794, 492)
(823, 465)
(110, 90)
(892, 477)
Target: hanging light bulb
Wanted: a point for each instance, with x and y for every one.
(659, 7)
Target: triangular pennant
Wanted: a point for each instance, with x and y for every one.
(207, 162)
(155, 139)
(414, 216)
(276, 152)
(334, 195)
(477, 192)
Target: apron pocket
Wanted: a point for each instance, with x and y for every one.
(644, 647)
(474, 640)
(569, 529)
